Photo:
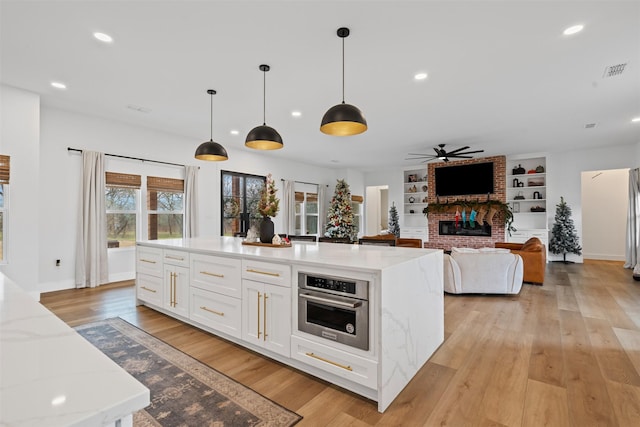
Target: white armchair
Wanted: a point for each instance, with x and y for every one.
(482, 272)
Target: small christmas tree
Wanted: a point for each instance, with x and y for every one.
(340, 216)
(564, 238)
(394, 227)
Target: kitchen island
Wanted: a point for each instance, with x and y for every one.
(51, 376)
(250, 295)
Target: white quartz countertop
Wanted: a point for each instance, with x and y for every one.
(51, 376)
(361, 257)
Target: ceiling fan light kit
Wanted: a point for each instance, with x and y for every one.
(264, 137)
(343, 119)
(210, 150)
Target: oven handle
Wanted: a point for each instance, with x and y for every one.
(331, 301)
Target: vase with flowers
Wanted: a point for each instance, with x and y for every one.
(268, 207)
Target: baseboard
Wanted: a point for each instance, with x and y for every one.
(56, 286)
(604, 257)
(119, 277)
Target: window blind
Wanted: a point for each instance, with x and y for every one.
(123, 180)
(155, 183)
(4, 169)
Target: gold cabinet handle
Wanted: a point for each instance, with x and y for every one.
(348, 368)
(175, 285)
(259, 296)
(147, 260)
(177, 258)
(148, 289)
(219, 313)
(264, 317)
(211, 274)
(251, 270)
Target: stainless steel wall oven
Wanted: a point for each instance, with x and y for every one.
(334, 308)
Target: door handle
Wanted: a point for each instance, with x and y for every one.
(331, 301)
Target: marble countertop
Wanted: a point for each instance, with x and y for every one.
(51, 376)
(361, 257)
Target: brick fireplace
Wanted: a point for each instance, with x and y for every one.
(446, 242)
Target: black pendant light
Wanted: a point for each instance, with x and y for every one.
(264, 137)
(211, 151)
(343, 119)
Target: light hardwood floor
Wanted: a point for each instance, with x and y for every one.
(563, 354)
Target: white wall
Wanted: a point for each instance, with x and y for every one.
(19, 138)
(564, 172)
(605, 200)
(62, 169)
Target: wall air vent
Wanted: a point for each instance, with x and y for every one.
(614, 70)
(589, 125)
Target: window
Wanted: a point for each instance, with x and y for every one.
(121, 194)
(239, 205)
(356, 208)
(4, 186)
(306, 212)
(165, 207)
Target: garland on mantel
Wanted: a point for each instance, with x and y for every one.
(491, 207)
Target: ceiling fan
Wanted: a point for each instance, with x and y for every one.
(442, 154)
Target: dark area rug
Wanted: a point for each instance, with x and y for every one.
(184, 391)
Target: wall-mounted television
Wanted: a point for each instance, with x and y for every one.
(474, 178)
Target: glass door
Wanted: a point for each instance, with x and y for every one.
(239, 205)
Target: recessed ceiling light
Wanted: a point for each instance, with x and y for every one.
(572, 30)
(138, 108)
(235, 132)
(58, 85)
(635, 119)
(420, 76)
(296, 113)
(103, 37)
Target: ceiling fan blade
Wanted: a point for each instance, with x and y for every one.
(457, 150)
(461, 156)
(471, 152)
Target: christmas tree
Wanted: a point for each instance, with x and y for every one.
(340, 216)
(394, 227)
(564, 238)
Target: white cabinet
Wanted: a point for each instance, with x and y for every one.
(149, 275)
(267, 316)
(527, 196)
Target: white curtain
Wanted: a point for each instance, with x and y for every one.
(323, 207)
(91, 248)
(190, 201)
(289, 206)
(632, 258)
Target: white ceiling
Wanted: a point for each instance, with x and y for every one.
(502, 76)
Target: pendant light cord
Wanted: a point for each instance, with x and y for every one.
(264, 98)
(343, 70)
(211, 137)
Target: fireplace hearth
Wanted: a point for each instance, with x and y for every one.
(449, 228)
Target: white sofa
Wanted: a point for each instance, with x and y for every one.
(482, 271)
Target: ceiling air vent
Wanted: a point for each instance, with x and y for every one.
(590, 125)
(614, 70)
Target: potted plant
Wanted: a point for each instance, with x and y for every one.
(268, 208)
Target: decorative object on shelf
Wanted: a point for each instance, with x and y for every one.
(424, 188)
(519, 196)
(540, 169)
(442, 154)
(340, 215)
(210, 150)
(393, 225)
(537, 209)
(486, 211)
(424, 199)
(518, 171)
(564, 238)
(264, 137)
(535, 182)
(343, 119)
(531, 171)
(411, 211)
(516, 207)
(516, 182)
(537, 195)
(268, 206)
(412, 199)
(412, 178)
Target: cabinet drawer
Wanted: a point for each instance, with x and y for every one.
(216, 311)
(178, 258)
(337, 362)
(149, 261)
(149, 288)
(266, 272)
(217, 274)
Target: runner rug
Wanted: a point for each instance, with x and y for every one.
(184, 391)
